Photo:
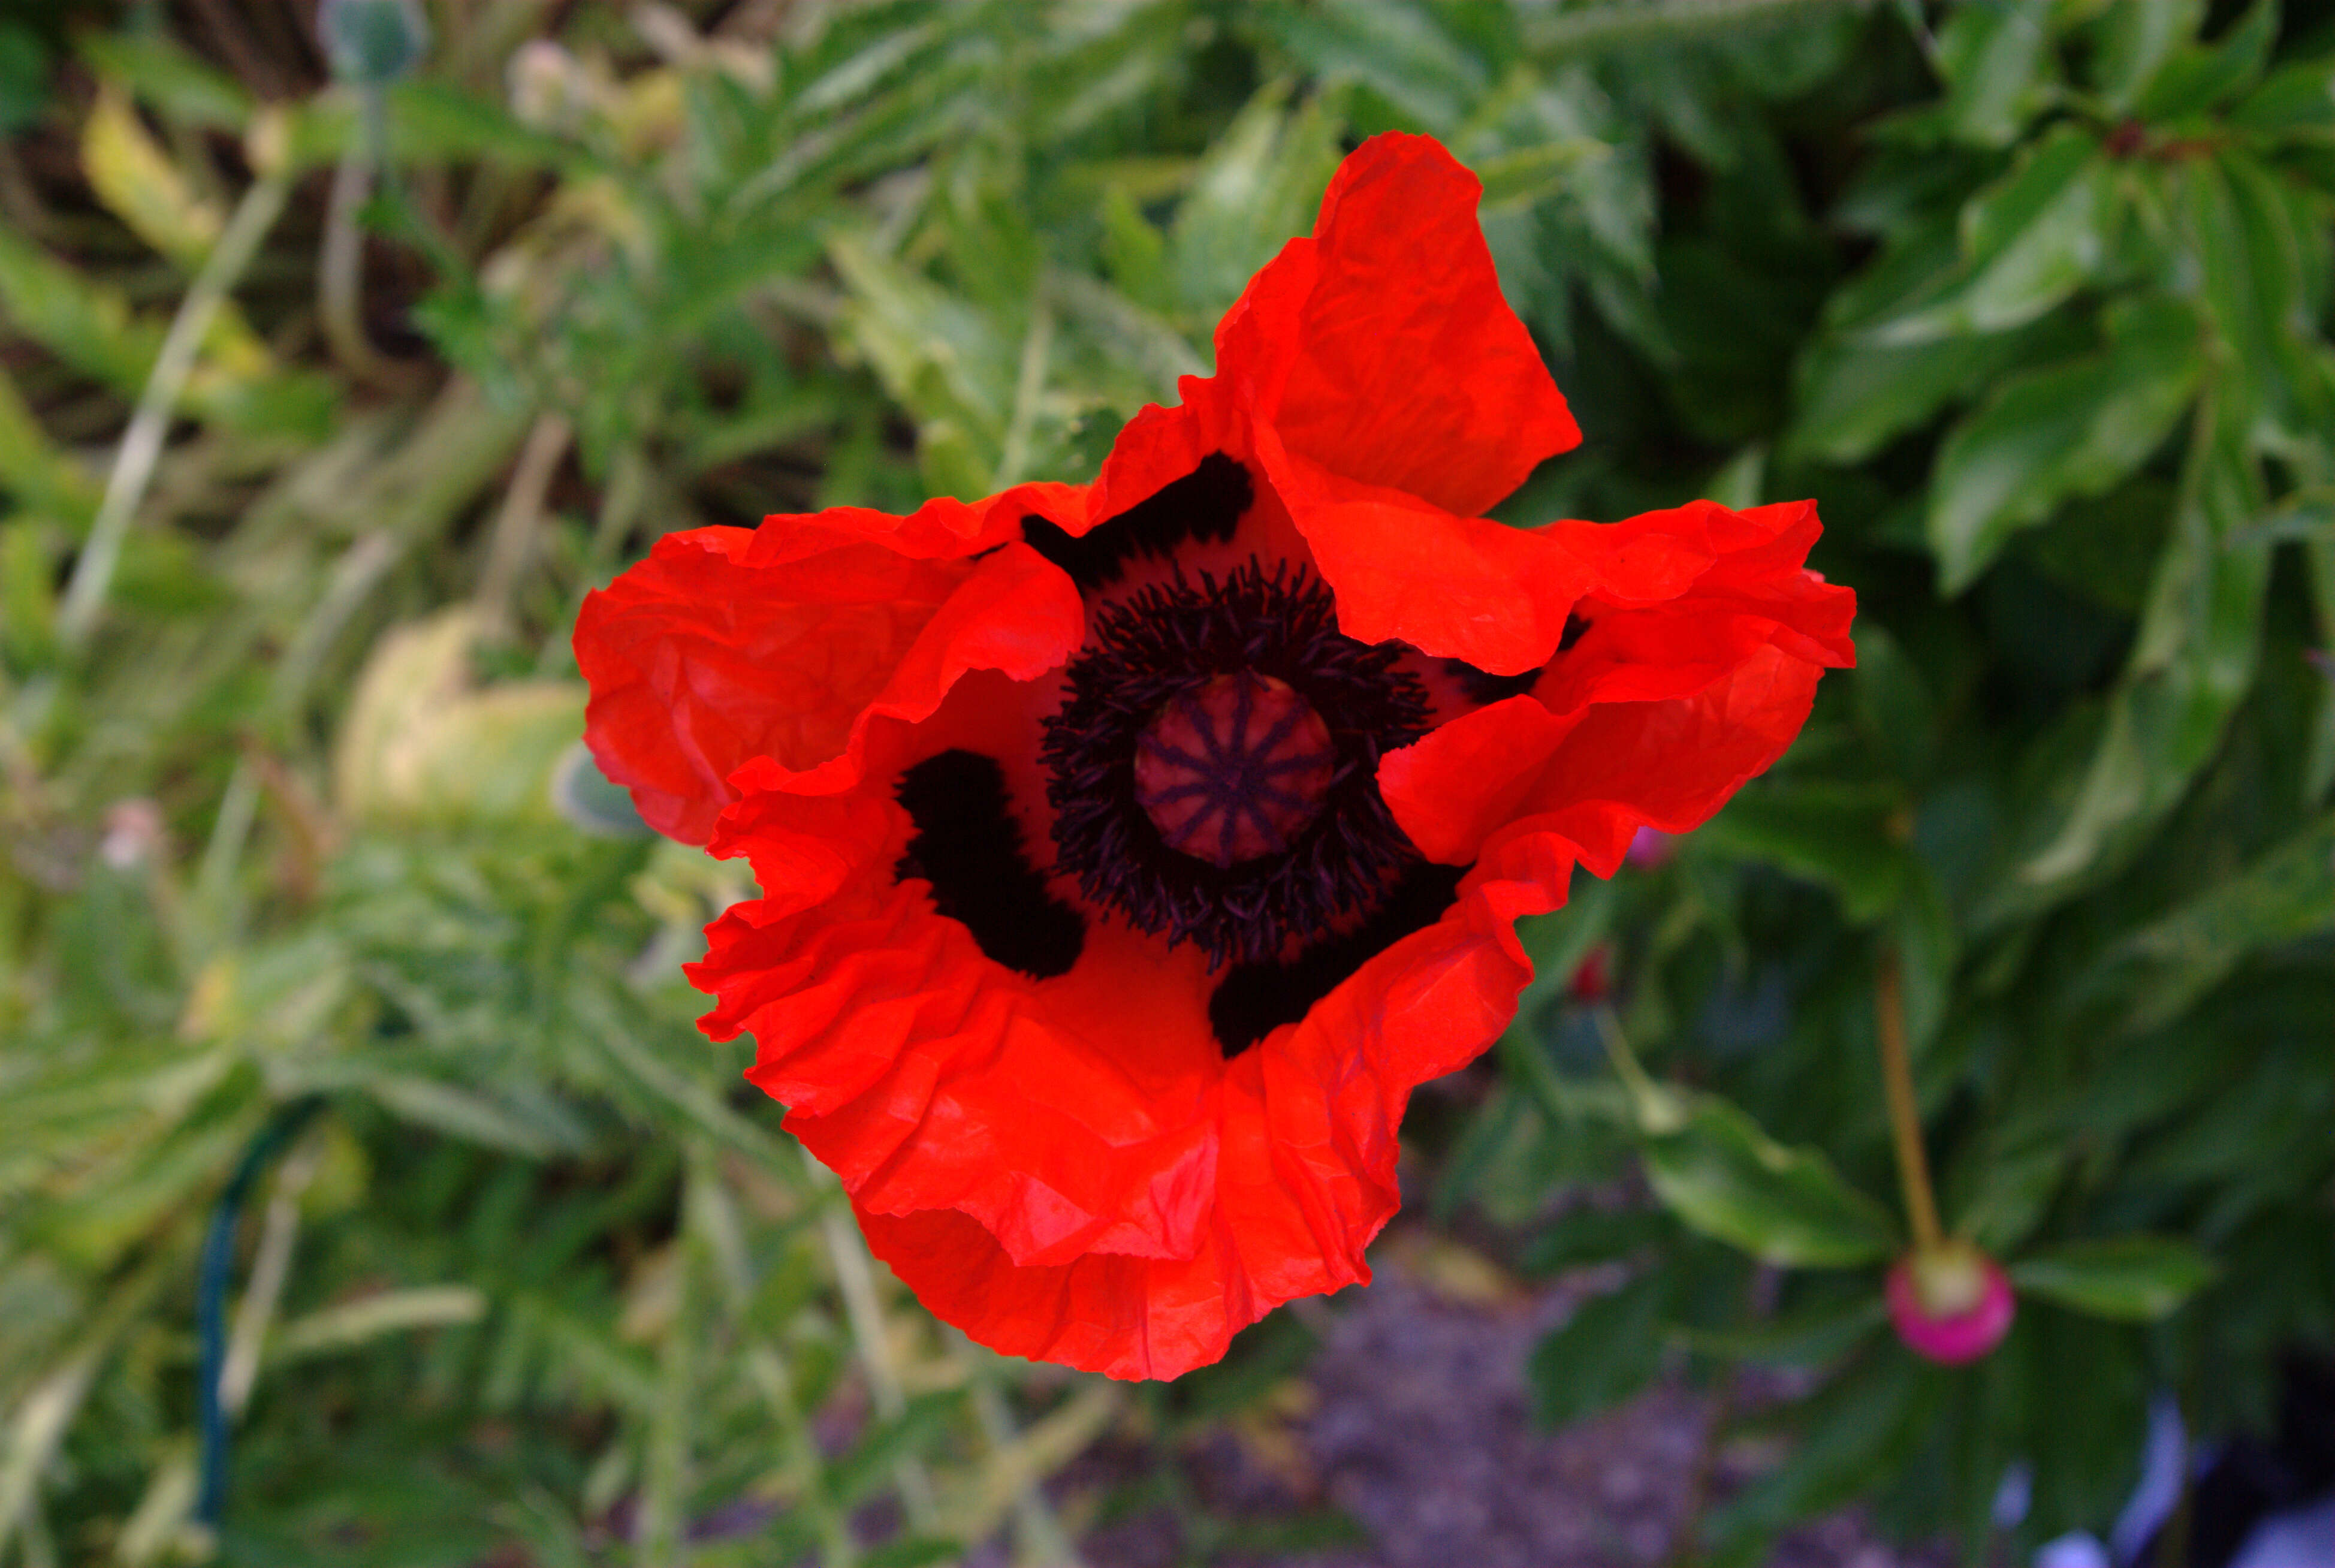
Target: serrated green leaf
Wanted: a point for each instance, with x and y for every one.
(1529, 174)
(1397, 48)
(2133, 1278)
(1261, 182)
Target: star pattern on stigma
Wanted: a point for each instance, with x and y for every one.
(1171, 647)
(1234, 769)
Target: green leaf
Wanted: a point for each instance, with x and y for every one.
(2298, 99)
(1724, 1177)
(177, 84)
(2286, 895)
(1609, 1349)
(1529, 174)
(1854, 396)
(2134, 39)
(2264, 267)
(1894, 705)
(1859, 1430)
(1260, 183)
(2133, 1278)
(2192, 664)
(1397, 48)
(2029, 241)
(2319, 762)
(1588, 1236)
(2076, 428)
(1997, 62)
(1838, 835)
(2201, 76)
(1810, 1336)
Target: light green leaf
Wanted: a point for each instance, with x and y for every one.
(2135, 38)
(1529, 174)
(1397, 48)
(1260, 183)
(2137, 1278)
(143, 187)
(354, 1323)
(465, 1114)
(1724, 1177)
(2201, 76)
(2071, 430)
(2029, 241)
(1997, 62)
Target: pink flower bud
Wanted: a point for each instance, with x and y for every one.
(1951, 1305)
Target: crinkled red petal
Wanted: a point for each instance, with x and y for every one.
(1455, 588)
(1705, 639)
(1307, 1132)
(1382, 347)
(727, 646)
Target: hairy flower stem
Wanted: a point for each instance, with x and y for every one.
(1905, 1113)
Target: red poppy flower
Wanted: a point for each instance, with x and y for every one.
(1129, 851)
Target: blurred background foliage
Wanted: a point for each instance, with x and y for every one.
(344, 1050)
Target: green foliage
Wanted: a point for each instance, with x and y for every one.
(2036, 304)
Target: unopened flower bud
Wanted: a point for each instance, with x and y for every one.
(373, 42)
(1951, 1304)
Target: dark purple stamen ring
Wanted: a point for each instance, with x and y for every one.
(1126, 840)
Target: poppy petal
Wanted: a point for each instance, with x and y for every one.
(1668, 702)
(726, 646)
(1452, 587)
(1382, 349)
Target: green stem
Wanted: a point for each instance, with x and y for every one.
(1904, 1111)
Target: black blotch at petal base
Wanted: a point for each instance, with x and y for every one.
(968, 845)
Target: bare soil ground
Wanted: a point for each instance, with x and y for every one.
(1414, 1422)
